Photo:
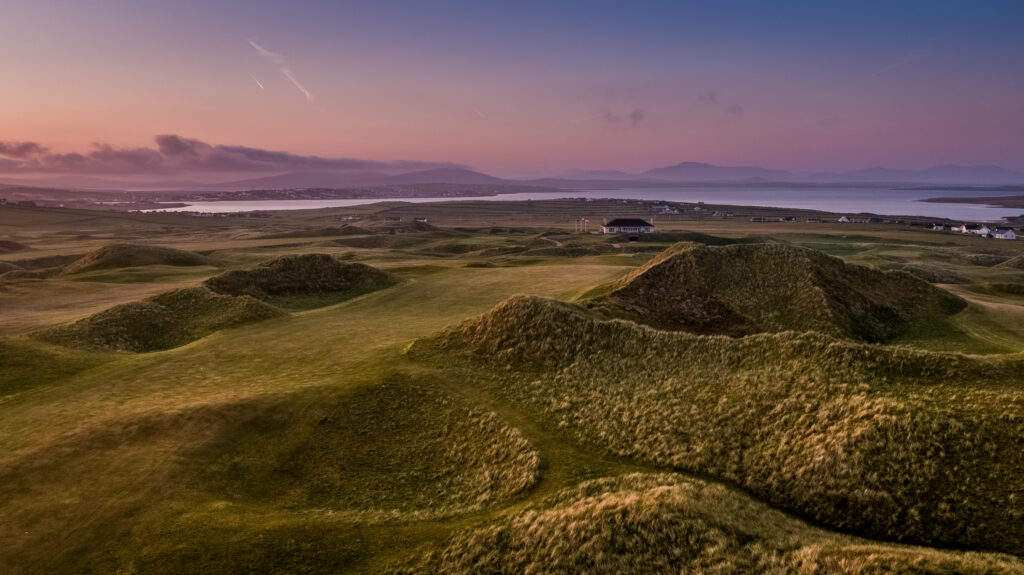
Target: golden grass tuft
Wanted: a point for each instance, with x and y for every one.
(662, 523)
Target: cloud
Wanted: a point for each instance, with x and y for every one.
(174, 154)
(717, 100)
(903, 60)
(632, 119)
(282, 65)
(19, 150)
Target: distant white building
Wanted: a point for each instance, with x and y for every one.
(939, 227)
(844, 220)
(627, 226)
(975, 229)
(1004, 234)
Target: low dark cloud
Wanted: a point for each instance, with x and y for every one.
(174, 154)
(21, 150)
(717, 100)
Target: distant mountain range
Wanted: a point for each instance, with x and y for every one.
(691, 173)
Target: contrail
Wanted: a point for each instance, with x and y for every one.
(590, 117)
(282, 65)
(258, 83)
(479, 113)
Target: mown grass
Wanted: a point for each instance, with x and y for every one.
(885, 441)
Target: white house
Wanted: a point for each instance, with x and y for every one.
(939, 227)
(844, 220)
(976, 229)
(627, 226)
(1004, 234)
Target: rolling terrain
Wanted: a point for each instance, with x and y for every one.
(492, 392)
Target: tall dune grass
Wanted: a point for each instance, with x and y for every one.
(889, 442)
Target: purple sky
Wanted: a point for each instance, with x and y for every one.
(511, 88)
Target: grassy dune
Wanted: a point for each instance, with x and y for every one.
(663, 523)
(885, 441)
(744, 289)
(165, 321)
(132, 255)
(302, 280)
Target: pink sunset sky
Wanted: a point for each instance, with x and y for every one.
(513, 89)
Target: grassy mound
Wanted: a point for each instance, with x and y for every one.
(1015, 263)
(9, 246)
(745, 289)
(382, 451)
(646, 523)
(986, 260)
(132, 255)
(885, 441)
(302, 279)
(165, 321)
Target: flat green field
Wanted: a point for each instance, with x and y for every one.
(423, 425)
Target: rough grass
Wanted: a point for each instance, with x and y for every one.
(744, 289)
(168, 320)
(381, 452)
(932, 274)
(890, 442)
(132, 255)
(1016, 263)
(663, 523)
(290, 279)
(7, 266)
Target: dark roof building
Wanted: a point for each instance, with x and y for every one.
(627, 225)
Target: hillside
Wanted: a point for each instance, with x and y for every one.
(745, 289)
(884, 441)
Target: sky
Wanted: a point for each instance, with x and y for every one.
(201, 89)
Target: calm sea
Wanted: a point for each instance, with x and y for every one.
(845, 200)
